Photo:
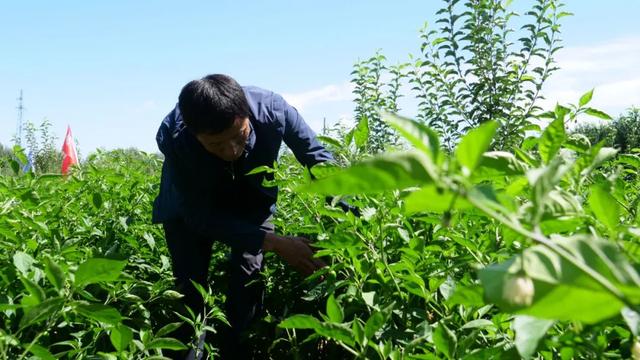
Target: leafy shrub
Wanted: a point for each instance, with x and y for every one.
(622, 133)
(83, 270)
(482, 253)
(474, 68)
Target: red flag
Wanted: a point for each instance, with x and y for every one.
(70, 156)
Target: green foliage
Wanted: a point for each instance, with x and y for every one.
(5, 157)
(440, 262)
(81, 273)
(475, 67)
(41, 143)
(375, 93)
(622, 133)
(490, 238)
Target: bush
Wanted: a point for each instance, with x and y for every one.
(623, 133)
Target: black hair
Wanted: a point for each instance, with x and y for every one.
(211, 104)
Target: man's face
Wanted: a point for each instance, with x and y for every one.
(229, 144)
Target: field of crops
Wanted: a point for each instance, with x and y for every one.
(481, 234)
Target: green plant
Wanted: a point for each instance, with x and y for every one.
(544, 227)
(622, 133)
(83, 271)
(41, 146)
(373, 91)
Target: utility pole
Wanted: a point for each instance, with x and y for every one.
(19, 126)
(324, 126)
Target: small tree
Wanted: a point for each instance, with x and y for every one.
(472, 70)
(475, 67)
(374, 93)
(41, 145)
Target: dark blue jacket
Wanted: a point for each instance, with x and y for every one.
(214, 197)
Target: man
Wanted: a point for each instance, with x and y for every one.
(218, 132)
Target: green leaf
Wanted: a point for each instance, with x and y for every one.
(300, 321)
(466, 295)
(478, 323)
(41, 311)
(373, 324)
(445, 341)
(361, 132)
(23, 262)
(358, 331)
(603, 155)
(54, 273)
(578, 143)
(629, 159)
(551, 140)
(19, 153)
(563, 14)
(111, 356)
(169, 328)
(497, 164)
(529, 330)
(334, 311)
(473, 145)
(99, 312)
(33, 288)
(39, 351)
(150, 240)
(98, 269)
(121, 337)
(166, 343)
(562, 290)
(419, 135)
(96, 199)
(15, 166)
(598, 113)
(330, 140)
(336, 332)
(433, 199)
(381, 173)
(561, 111)
(261, 169)
(332, 331)
(584, 99)
(596, 156)
(604, 206)
(4, 307)
(368, 297)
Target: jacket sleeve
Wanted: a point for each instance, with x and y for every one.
(205, 219)
(299, 137)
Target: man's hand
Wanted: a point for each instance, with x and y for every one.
(295, 251)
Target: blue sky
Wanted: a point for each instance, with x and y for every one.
(112, 70)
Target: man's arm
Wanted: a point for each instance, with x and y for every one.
(299, 137)
(302, 140)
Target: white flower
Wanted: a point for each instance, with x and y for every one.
(518, 290)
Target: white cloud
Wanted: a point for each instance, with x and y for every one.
(328, 93)
(612, 68)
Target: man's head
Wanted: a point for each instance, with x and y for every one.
(216, 111)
